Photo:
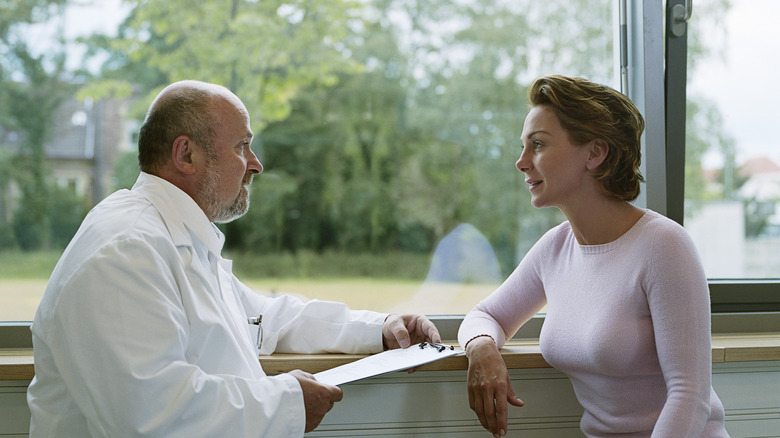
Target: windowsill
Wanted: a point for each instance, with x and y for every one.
(17, 364)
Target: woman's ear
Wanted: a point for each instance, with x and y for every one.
(182, 155)
(597, 154)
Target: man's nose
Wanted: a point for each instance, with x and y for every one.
(253, 165)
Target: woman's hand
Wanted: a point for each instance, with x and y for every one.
(489, 386)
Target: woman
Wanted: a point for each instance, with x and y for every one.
(627, 300)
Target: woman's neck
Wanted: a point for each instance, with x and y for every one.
(602, 221)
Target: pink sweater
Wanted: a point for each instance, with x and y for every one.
(627, 321)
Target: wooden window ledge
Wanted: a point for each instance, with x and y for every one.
(17, 364)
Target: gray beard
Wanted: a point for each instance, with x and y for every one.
(214, 207)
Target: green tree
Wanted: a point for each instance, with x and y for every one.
(704, 123)
(126, 170)
(374, 119)
(21, 12)
(265, 227)
(31, 90)
(341, 147)
(7, 238)
(265, 51)
(35, 101)
(471, 103)
(422, 138)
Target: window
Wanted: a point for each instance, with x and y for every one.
(731, 172)
(732, 186)
(390, 180)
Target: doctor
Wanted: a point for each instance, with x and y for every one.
(143, 329)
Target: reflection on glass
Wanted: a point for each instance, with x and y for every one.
(732, 187)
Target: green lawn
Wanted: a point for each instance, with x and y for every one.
(388, 284)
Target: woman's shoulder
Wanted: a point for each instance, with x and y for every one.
(557, 234)
(664, 236)
(553, 242)
(662, 225)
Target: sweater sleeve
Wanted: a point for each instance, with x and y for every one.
(512, 304)
(678, 298)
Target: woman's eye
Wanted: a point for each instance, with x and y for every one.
(534, 145)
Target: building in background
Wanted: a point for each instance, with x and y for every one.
(86, 140)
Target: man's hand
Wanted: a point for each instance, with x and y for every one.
(405, 330)
(318, 398)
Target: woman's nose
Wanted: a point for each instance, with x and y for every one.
(523, 164)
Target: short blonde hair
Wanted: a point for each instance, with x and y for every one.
(589, 111)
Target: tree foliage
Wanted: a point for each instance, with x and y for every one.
(31, 90)
(424, 136)
(382, 124)
(265, 51)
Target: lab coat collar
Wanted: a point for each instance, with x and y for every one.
(182, 215)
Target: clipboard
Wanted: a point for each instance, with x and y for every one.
(386, 362)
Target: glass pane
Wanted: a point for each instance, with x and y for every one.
(388, 130)
(732, 186)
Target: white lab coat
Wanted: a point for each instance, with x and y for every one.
(142, 331)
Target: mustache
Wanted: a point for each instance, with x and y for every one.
(247, 179)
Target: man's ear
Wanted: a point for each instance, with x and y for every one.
(597, 154)
(183, 154)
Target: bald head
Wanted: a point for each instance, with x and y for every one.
(182, 108)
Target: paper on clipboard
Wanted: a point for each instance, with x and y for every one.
(386, 362)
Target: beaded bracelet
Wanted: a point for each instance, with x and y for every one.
(478, 336)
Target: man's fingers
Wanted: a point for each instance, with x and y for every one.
(336, 394)
(430, 331)
(318, 397)
(402, 336)
(404, 330)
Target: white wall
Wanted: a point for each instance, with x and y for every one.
(724, 255)
(435, 404)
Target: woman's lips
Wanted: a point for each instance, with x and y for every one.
(533, 183)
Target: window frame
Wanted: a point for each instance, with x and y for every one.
(726, 296)
(737, 305)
